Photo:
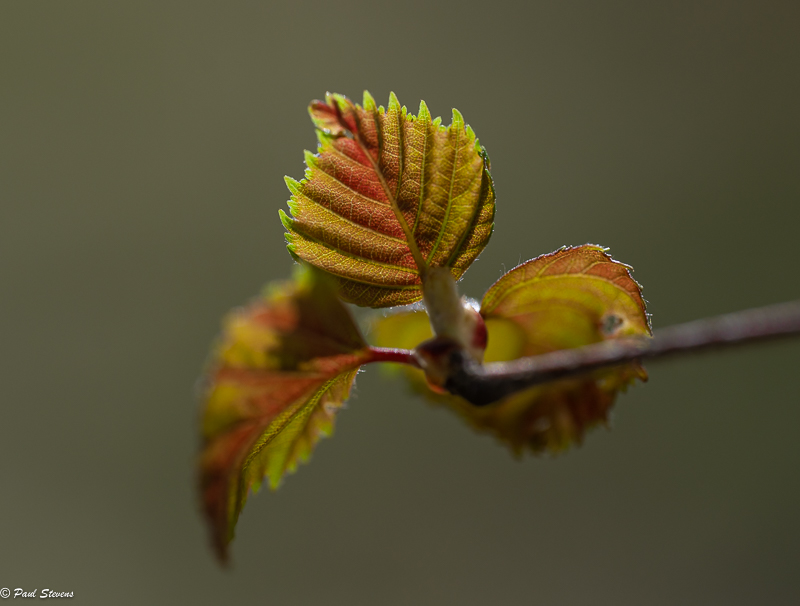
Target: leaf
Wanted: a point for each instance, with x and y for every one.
(283, 367)
(388, 196)
(569, 298)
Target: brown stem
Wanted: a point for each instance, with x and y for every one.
(483, 384)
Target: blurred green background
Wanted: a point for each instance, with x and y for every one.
(142, 153)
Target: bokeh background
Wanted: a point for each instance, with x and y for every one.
(142, 152)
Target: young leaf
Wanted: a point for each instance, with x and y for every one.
(282, 368)
(388, 196)
(569, 298)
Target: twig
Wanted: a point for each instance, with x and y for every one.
(483, 384)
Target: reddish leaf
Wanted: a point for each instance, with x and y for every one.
(388, 196)
(283, 367)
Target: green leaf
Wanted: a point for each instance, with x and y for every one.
(388, 196)
(282, 368)
(569, 298)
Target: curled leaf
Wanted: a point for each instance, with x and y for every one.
(282, 368)
(570, 298)
(388, 196)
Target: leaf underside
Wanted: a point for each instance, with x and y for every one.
(387, 196)
(569, 298)
(282, 368)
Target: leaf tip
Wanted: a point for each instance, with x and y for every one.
(292, 184)
(292, 248)
(310, 158)
(287, 221)
(315, 106)
(331, 99)
(458, 119)
(323, 139)
(424, 112)
(275, 481)
(394, 103)
(221, 551)
(369, 101)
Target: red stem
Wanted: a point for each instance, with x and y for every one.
(388, 354)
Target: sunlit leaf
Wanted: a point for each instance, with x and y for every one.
(282, 368)
(569, 298)
(387, 196)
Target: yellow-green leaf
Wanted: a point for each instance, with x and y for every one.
(388, 196)
(570, 298)
(282, 368)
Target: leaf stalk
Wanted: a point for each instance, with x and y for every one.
(388, 354)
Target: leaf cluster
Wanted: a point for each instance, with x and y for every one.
(392, 210)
